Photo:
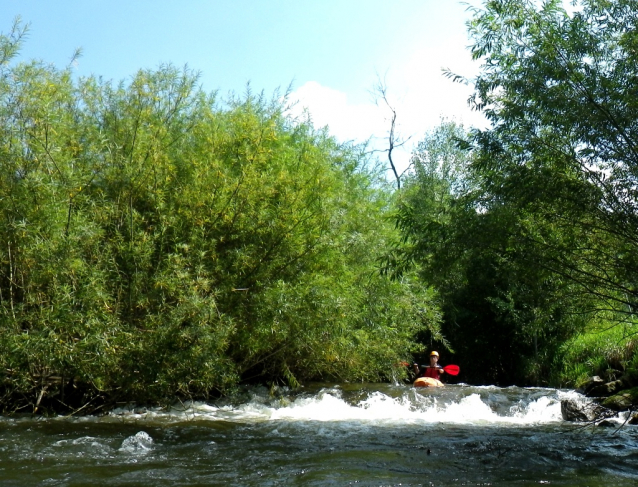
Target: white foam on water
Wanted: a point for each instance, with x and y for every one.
(84, 440)
(329, 405)
(377, 407)
(470, 409)
(139, 443)
(542, 410)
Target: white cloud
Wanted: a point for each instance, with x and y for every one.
(427, 95)
(329, 107)
(347, 121)
(417, 90)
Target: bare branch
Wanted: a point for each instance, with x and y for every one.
(380, 94)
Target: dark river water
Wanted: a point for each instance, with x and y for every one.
(370, 434)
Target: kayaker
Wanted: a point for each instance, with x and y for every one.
(434, 370)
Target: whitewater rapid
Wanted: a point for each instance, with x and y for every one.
(456, 404)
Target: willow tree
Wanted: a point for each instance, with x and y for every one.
(155, 241)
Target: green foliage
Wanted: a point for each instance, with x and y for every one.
(607, 353)
(502, 311)
(534, 239)
(561, 149)
(155, 242)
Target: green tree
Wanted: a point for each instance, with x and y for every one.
(156, 242)
(503, 313)
(544, 242)
(558, 90)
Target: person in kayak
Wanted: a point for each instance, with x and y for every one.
(434, 370)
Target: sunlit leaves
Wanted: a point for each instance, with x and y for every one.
(560, 90)
(155, 242)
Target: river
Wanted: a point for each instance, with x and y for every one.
(324, 435)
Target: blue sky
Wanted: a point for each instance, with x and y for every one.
(331, 51)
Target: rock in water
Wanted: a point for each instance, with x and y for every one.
(590, 384)
(573, 411)
(623, 401)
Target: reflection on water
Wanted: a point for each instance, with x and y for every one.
(370, 434)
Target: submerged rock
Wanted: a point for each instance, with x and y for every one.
(605, 423)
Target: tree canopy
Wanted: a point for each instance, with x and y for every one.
(559, 89)
(158, 241)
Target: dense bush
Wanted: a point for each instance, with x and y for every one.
(156, 242)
